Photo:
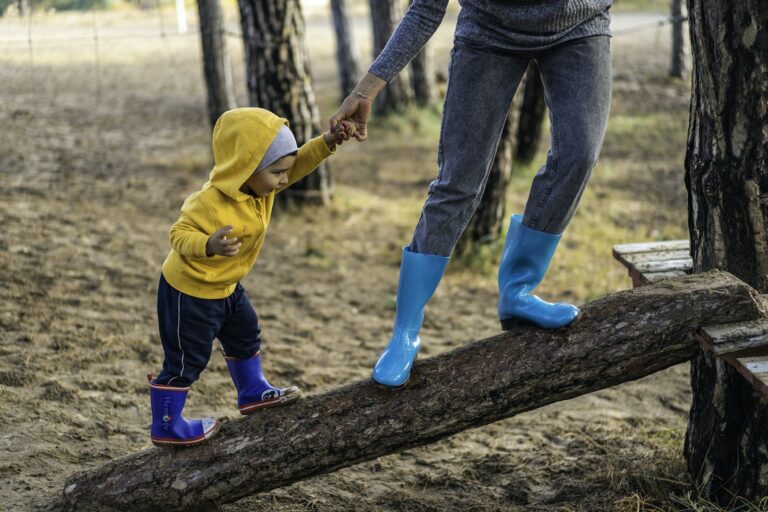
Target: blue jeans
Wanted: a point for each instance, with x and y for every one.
(481, 84)
(188, 326)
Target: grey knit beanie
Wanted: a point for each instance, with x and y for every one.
(283, 145)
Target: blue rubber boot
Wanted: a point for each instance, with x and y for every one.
(253, 390)
(169, 427)
(419, 277)
(526, 257)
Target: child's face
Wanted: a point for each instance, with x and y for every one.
(271, 177)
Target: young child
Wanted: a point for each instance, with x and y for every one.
(214, 244)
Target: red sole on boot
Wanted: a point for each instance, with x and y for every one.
(271, 402)
(164, 442)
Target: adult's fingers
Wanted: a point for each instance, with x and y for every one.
(346, 110)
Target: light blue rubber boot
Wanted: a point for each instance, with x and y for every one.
(526, 257)
(419, 277)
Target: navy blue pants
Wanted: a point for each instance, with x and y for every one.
(188, 326)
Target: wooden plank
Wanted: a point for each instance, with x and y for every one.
(755, 369)
(648, 267)
(749, 338)
(669, 245)
(743, 345)
(642, 257)
(653, 277)
(654, 261)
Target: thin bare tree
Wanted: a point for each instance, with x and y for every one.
(346, 49)
(217, 68)
(385, 15)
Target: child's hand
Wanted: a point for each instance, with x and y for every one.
(218, 243)
(343, 132)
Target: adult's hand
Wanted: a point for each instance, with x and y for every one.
(357, 106)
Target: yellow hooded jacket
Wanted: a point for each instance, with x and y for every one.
(240, 139)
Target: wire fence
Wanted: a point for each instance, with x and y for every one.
(95, 103)
(163, 32)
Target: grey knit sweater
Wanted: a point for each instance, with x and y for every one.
(505, 25)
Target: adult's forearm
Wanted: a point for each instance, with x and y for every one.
(370, 86)
(410, 36)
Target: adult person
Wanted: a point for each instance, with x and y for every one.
(494, 42)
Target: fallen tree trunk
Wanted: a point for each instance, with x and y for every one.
(621, 337)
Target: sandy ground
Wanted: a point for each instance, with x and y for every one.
(95, 159)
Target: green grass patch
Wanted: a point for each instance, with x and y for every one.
(640, 5)
(655, 135)
(421, 122)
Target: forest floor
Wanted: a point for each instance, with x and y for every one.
(106, 134)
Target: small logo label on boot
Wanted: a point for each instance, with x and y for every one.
(167, 413)
(270, 393)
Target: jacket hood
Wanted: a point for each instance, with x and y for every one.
(240, 140)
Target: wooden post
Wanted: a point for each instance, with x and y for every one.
(677, 66)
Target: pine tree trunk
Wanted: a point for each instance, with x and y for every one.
(488, 220)
(346, 53)
(677, 66)
(532, 113)
(217, 68)
(423, 76)
(279, 80)
(727, 180)
(385, 15)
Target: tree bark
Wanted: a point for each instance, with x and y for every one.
(423, 76)
(217, 67)
(620, 337)
(727, 181)
(532, 113)
(488, 220)
(346, 49)
(395, 97)
(677, 65)
(279, 80)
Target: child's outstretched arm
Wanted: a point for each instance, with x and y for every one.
(314, 152)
